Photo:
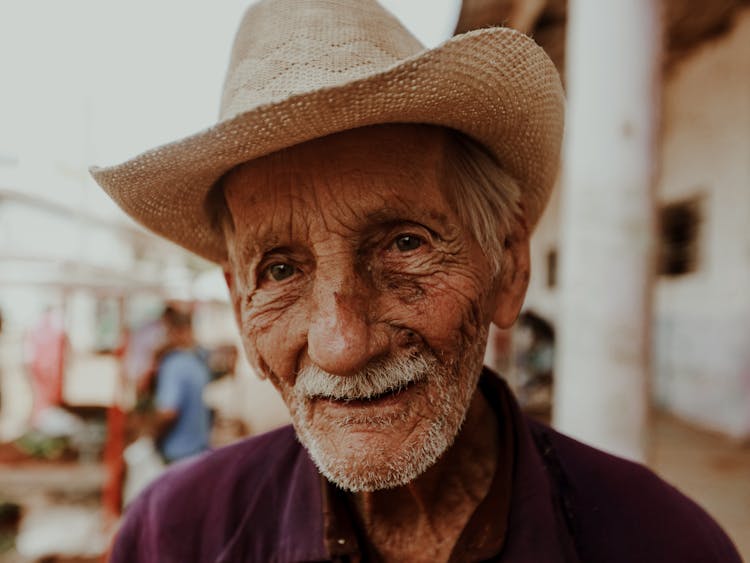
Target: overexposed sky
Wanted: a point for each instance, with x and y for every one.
(98, 81)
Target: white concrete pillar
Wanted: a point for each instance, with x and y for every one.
(607, 230)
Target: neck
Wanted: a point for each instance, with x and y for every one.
(423, 520)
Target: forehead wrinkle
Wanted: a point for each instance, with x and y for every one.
(288, 228)
(376, 201)
(333, 201)
(399, 208)
(345, 193)
(348, 211)
(284, 221)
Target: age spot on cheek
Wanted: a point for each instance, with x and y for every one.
(408, 291)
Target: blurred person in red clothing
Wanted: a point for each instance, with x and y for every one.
(46, 349)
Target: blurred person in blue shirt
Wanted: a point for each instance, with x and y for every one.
(182, 419)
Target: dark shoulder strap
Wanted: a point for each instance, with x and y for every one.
(568, 528)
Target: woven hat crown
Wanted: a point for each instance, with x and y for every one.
(287, 47)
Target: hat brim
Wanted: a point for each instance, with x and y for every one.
(495, 85)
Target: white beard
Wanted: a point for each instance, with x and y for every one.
(355, 471)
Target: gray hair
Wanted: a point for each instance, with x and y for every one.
(485, 197)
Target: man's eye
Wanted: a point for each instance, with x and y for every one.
(280, 271)
(405, 243)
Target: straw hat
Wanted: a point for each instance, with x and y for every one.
(303, 69)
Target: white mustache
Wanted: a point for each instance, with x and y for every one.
(384, 376)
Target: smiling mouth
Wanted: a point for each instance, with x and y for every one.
(390, 395)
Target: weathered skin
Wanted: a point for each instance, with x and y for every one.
(345, 250)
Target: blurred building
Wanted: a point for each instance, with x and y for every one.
(699, 318)
(64, 247)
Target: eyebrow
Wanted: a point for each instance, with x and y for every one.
(384, 216)
(256, 247)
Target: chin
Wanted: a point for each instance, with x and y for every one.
(383, 452)
(358, 462)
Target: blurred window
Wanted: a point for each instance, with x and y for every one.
(680, 227)
(552, 268)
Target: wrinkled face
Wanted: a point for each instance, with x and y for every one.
(361, 297)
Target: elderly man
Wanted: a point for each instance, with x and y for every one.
(371, 203)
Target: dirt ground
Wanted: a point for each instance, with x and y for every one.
(711, 469)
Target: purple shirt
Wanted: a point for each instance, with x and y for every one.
(261, 500)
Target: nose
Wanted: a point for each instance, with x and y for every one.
(341, 338)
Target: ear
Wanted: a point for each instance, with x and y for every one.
(514, 278)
